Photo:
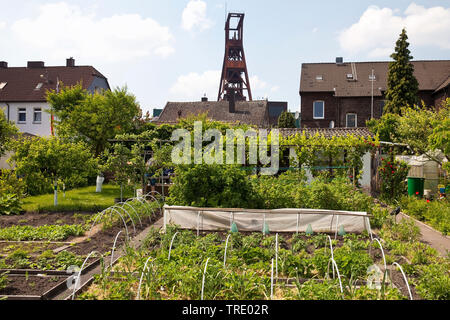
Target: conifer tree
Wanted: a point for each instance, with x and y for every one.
(402, 86)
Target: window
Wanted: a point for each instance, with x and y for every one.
(319, 110)
(22, 117)
(372, 77)
(3, 84)
(352, 120)
(319, 78)
(37, 115)
(349, 76)
(38, 86)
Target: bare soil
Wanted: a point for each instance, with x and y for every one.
(41, 219)
(19, 285)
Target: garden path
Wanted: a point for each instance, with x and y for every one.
(430, 236)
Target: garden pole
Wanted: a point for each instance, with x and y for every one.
(55, 196)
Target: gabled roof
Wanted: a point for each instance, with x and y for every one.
(429, 74)
(21, 82)
(246, 112)
(444, 84)
(327, 132)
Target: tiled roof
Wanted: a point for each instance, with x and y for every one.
(21, 82)
(247, 112)
(444, 84)
(429, 74)
(327, 132)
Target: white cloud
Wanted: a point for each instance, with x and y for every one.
(314, 30)
(256, 83)
(194, 16)
(378, 28)
(61, 30)
(2, 25)
(275, 88)
(193, 86)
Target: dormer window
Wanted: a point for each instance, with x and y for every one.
(349, 76)
(319, 78)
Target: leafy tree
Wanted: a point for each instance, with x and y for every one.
(439, 139)
(45, 161)
(286, 120)
(118, 160)
(7, 131)
(385, 127)
(402, 86)
(93, 118)
(424, 131)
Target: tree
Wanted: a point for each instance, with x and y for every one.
(93, 118)
(43, 161)
(286, 120)
(424, 131)
(439, 139)
(402, 86)
(7, 131)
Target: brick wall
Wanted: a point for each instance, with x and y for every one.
(336, 108)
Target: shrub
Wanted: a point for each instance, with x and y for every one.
(393, 174)
(10, 204)
(42, 161)
(10, 183)
(212, 186)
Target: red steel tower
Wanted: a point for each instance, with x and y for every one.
(234, 81)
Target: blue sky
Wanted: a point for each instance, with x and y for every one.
(173, 50)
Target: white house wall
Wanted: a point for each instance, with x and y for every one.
(42, 129)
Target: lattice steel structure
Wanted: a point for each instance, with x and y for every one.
(234, 81)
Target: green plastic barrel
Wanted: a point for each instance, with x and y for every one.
(415, 185)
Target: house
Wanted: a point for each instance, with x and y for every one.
(261, 113)
(23, 91)
(340, 94)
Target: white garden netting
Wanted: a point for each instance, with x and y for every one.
(279, 220)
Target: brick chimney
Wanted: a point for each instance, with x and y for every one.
(70, 62)
(36, 64)
(3, 64)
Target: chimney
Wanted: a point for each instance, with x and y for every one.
(36, 64)
(70, 62)
(3, 65)
(231, 102)
(205, 99)
(339, 60)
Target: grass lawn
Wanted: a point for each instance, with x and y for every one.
(82, 199)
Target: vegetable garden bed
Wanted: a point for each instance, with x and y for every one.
(28, 268)
(244, 272)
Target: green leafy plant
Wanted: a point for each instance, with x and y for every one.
(10, 204)
(393, 174)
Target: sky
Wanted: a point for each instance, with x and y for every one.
(172, 50)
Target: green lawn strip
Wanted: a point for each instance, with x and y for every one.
(81, 199)
(51, 233)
